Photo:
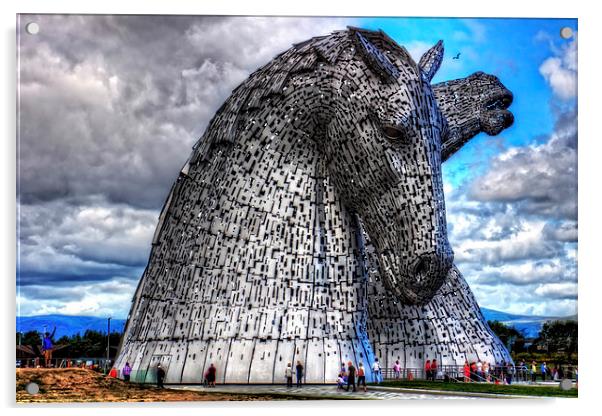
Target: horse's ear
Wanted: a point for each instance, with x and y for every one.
(376, 59)
(431, 61)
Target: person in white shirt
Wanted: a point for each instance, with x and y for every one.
(376, 371)
(288, 373)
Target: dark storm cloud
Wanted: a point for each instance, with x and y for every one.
(69, 293)
(112, 105)
(109, 109)
(91, 240)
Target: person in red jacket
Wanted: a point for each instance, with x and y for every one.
(434, 370)
(210, 375)
(466, 372)
(427, 369)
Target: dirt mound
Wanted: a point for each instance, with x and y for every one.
(83, 385)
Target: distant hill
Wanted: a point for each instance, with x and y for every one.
(71, 325)
(529, 325)
(67, 324)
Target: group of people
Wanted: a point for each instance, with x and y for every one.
(482, 371)
(347, 377)
(477, 371)
(208, 377)
(350, 377)
(555, 373)
(349, 374)
(505, 372)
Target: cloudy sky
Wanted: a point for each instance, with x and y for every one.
(111, 106)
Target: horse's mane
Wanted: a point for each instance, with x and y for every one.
(269, 80)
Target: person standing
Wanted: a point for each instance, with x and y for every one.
(509, 373)
(288, 373)
(127, 370)
(544, 369)
(466, 371)
(522, 374)
(560, 372)
(480, 371)
(47, 347)
(211, 375)
(160, 376)
(473, 372)
(427, 370)
(533, 371)
(397, 369)
(351, 376)
(434, 369)
(361, 376)
(376, 371)
(299, 369)
(486, 371)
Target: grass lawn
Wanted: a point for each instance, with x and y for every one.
(522, 390)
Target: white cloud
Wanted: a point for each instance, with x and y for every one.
(558, 290)
(540, 179)
(514, 228)
(493, 245)
(110, 298)
(561, 71)
(264, 37)
(417, 48)
(523, 300)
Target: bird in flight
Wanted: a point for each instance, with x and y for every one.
(457, 56)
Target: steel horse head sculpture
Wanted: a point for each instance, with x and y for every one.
(323, 164)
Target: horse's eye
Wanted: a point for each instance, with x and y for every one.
(395, 135)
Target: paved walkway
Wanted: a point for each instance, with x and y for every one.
(324, 391)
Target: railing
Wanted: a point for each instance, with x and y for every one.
(497, 374)
(91, 363)
(452, 373)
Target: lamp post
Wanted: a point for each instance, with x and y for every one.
(108, 342)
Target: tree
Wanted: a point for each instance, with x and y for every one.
(30, 338)
(510, 337)
(92, 344)
(559, 336)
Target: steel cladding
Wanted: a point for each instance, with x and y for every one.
(309, 223)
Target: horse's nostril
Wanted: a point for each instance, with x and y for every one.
(508, 119)
(421, 267)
